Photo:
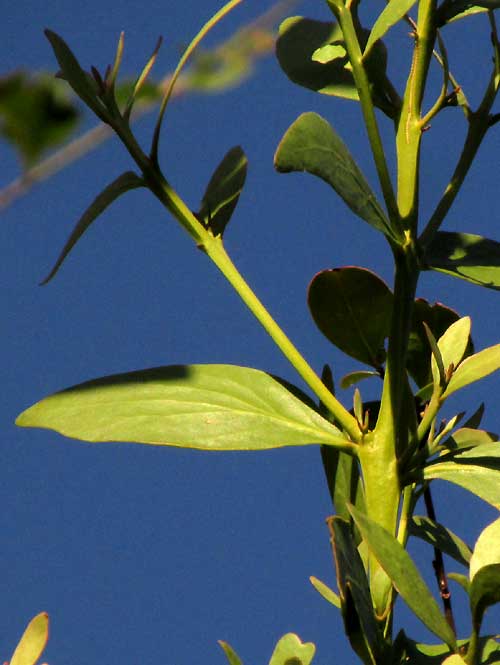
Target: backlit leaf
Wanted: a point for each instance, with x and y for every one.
(291, 651)
(470, 257)
(452, 345)
(487, 549)
(124, 183)
(209, 407)
(310, 144)
(223, 191)
(325, 591)
(467, 437)
(484, 591)
(391, 14)
(439, 536)
(231, 655)
(455, 659)
(474, 368)
(352, 307)
(33, 641)
(405, 577)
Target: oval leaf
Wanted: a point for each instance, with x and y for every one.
(352, 307)
(33, 641)
(124, 183)
(474, 368)
(209, 407)
(310, 144)
(405, 577)
(299, 39)
(392, 13)
(290, 650)
(223, 191)
(465, 255)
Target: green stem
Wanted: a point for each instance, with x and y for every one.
(344, 17)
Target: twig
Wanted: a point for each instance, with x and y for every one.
(438, 565)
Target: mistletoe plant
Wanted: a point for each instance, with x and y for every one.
(379, 457)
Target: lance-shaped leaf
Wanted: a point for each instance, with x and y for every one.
(474, 469)
(33, 641)
(124, 183)
(325, 591)
(404, 575)
(230, 653)
(468, 437)
(291, 650)
(452, 346)
(438, 319)
(223, 191)
(343, 479)
(474, 368)
(310, 144)
(81, 82)
(485, 572)
(452, 10)
(209, 407)
(391, 14)
(352, 307)
(470, 257)
(440, 537)
(357, 607)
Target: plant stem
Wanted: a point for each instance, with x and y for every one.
(438, 565)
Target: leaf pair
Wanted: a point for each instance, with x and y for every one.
(290, 650)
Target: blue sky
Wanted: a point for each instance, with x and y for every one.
(148, 554)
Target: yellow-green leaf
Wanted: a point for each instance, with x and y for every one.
(33, 641)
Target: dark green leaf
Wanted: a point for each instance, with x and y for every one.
(310, 144)
(312, 54)
(291, 651)
(440, 537)
(352, 307)
(452, 10)
(35, 114)
(223, 191)
(124, 183)
(470, 257)
(414, 653)
(81, 82)
(438, 318)
(210, 407)
(474, 368)
(391, 14)
(231, 655)
(405, 577)
(357, 607)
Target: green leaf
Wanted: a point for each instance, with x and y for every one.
(392, 13)
(209, 407)
(81, 82)
(33, 641)
(357, 607)
(484, 591)
(325, 591)
(124, 183)
(405, 577)
(440, 537)
(475, 469)
(352, 307)
(310, 144)
(291, 651)
(461, 580)
(343, 479)
(470, 257)
(35, 114)
(452, 10)
(438, 318)
(452, 346)
(474, 368)
(223, 191)
(467, 437)
(487, 549)
(231, 655)
(455, 659)
(299, 39)
(352, 378)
